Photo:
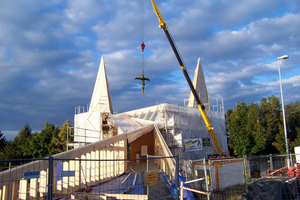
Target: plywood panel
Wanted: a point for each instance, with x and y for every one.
(135, 146)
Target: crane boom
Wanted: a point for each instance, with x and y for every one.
(201, 107)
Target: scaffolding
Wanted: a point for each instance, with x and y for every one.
(184, 130)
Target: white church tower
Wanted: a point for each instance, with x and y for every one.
(101, 98)
(94, 124)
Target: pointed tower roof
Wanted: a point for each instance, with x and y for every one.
(101, 100)
(200, 87)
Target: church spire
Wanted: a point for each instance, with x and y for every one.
(101, 100)
(200, 87)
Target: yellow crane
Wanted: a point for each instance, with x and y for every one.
(201, 107)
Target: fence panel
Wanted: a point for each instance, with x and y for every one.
(141, 179)
(87, 177)
(23, 179)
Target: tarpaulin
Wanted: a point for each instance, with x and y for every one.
(273, 189)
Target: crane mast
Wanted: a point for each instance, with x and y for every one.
(201, 107)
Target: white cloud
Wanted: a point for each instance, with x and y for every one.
(50, 53)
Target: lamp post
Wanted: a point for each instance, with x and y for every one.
(283, 111)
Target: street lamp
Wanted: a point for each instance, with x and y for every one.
(283, 112)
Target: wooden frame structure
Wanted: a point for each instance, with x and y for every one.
(86, 163)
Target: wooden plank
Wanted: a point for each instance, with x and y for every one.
(82, 172)
(97, 166)
(14, 190)
(88, 168)
(77, 174)
(23, 189)
(102, 172)
(165, 151)
(217, 177)
(125, 196)
(5, 192)
(33, 188)
(92, 170)
(71, 186)
(43, 183)
(57, 184)
(65, 180)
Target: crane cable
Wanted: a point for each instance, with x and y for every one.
(142, 45)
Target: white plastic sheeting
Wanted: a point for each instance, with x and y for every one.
(135, 127)
(184, 124)
(87, 127)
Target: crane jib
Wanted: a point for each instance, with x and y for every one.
(200, 106)
(183, 68)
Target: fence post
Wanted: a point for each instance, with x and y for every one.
(50, 178)
(205, 175)
(148, 171)
(177, 176)
(291, 159)
(271, 162)
(181, 191)
(246, 169)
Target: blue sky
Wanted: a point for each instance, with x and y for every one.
(50, 53)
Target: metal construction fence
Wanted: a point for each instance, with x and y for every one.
(233, 178)
(146, 178)
(84, 178)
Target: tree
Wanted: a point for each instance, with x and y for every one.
(227, 123)
(279, 142)
(271, 120)
(59, 143)
(8, 152)
(15, 149)
(255, 128)
(40, 143)
(21, 142)
(2, 141)
(292, 114)
(296, 142)
(245, 131)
